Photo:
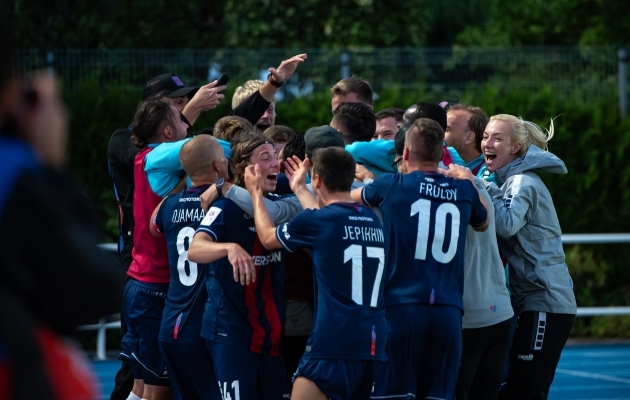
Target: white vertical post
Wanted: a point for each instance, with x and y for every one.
(345, 65)
(100, 340)
(622, 59)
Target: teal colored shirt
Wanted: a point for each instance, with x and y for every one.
(163, 168)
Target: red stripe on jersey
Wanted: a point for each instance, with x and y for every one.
(258, 333)
(271, 311)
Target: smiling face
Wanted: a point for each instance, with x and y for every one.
(497, 145)
(265, 156)
(457, 130)
(268, 119)
(386, 128)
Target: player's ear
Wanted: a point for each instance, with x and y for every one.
(167, 132)
(316, 181)
(516, 148)
(405, 154)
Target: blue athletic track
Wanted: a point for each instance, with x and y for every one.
(585, 372)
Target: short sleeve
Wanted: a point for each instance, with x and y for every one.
(215, 221)
(479, 214)
(158, 224)
(299, 232)
(374, 194)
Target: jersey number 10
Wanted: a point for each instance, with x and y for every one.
(422, 207)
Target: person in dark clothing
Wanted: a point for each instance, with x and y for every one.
(53, 276)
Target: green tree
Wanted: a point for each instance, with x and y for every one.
(544, 23)
(325, 24)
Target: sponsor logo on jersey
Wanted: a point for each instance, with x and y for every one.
(260, 261)
(526, 357)
(212, 214)
(285, 231)
(247, 216)
(253, 229)
(426, 178)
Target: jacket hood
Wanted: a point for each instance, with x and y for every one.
(534, 160)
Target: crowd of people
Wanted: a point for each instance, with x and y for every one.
(398, 254)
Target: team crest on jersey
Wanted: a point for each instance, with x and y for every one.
(493, 308)
(212, 214)
(246, 216)
(359, 208)
(285, 231)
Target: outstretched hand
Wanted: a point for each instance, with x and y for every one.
(242, 265)
(296, 170)
(287, 68)
(253, 180)
(208, 96)
(457, 172)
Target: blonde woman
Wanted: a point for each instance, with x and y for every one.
(529, 235)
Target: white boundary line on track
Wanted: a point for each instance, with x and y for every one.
(593, 376)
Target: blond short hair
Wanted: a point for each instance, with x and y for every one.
(242, 92)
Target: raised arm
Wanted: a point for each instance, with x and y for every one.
(459, 172)
(280, 211)
(255, 105)
(265, 228)
(207, 98)
(296, 170)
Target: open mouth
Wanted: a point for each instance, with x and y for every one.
(273, 177)
(262, 126)
(489, 156)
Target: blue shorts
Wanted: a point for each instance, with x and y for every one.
(191, 371)
(247, 375)
(423, 350)
(143, 304)
(339, 379)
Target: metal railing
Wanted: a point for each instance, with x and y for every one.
(582, 238)
(586, 71)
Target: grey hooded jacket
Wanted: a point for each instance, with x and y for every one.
(530, 236)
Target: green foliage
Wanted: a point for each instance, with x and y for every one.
(600, 279)
(315, 23)
(117, 23)
(558, 22)
(589, 137)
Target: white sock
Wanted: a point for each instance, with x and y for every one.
(133, 396)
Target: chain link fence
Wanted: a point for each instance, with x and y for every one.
(585, 72)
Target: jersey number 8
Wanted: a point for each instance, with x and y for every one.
(184, 237)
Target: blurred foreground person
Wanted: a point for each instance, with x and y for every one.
(53, 276)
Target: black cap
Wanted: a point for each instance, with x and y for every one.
(170, 85)
(399, 142)
(425, 110)
(323, 136)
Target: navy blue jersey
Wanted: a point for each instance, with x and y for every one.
(249, 316)
(425, 216)
(178, 218)
(348, 251)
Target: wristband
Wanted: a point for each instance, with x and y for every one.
(271, 79)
